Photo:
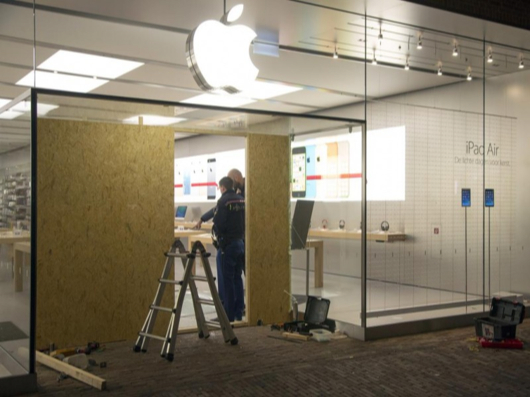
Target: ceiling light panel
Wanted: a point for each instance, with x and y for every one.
(42, 108)
(8, 114)
(64, 82)
(153, 120)
(88, 65)
(264, 90)
(229, 101)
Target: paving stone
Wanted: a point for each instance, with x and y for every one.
(448, 363)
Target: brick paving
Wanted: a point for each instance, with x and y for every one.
(447, 363)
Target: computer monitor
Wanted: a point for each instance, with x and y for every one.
(181, 211)
(301, 222)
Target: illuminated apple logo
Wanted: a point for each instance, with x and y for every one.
(218, 54)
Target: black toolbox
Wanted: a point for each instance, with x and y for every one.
(502, 322)
(315, 316)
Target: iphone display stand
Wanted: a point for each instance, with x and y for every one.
(489, 201)
(466, 202)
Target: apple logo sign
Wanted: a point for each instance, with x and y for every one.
(218, 54)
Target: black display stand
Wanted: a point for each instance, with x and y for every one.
(303, 211)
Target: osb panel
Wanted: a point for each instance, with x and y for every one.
(268, 233)
(104, 219)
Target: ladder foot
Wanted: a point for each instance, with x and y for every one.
(169, 357)
(136, 348)
(234, 342)
(201, 335)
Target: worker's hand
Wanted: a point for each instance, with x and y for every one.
(198, 225)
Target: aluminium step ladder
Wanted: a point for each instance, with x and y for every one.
(170, 339)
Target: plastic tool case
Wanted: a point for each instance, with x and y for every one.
(502, 322)
(315, 316)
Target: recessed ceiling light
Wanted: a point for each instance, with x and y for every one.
(88, 65)
(153, 120)
(256, 90)
(64, 82)
(229, 101)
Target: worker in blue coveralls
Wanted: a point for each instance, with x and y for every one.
(239, 187)
(229, 226)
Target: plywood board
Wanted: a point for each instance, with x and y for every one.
(268, 231)
(104, 219)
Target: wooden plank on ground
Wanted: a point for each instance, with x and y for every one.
(70, 370)
(296, 336)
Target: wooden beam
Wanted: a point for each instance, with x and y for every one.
(79, 374)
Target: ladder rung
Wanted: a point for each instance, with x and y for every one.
(168, 281)
(213, 324)
(174, 255)
(206, 302)
(162, 338)
(162, 309)
(201, 278)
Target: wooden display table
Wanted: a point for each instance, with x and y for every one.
(380, 237)
(21, 250)
(191, 225)
(318, 245)
(187, 233)
(9, 238)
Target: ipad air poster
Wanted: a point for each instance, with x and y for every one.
(311, 183)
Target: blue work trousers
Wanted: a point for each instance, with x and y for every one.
(232, 264)
(220, 283)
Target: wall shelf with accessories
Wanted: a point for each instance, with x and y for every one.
(15, 198)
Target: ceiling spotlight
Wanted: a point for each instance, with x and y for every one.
(455, 51)
(335, 54)
(420, 43)
(521, 63)
(407, 67)
(469, 77)
(440, 70)
(374, 61)
(380, 34)
(490, 56)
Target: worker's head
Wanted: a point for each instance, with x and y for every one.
(225, 184)
(237, 177)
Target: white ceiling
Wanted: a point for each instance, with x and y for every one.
(155, 33)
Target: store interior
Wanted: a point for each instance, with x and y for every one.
(445, 110)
